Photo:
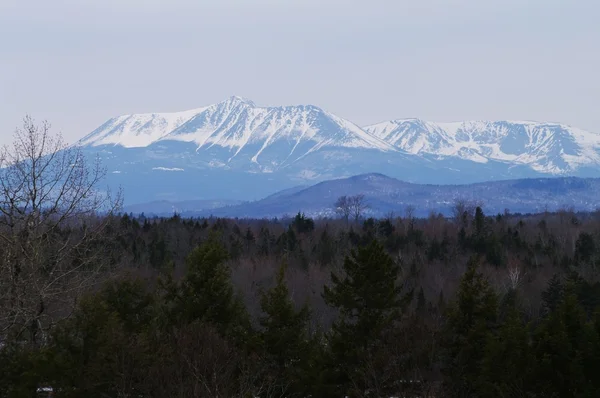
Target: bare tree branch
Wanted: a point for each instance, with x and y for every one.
(50, 234)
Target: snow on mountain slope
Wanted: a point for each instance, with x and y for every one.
(131, 131)
(235, 149)
(272, 137)
(244, 128)
(236, 123)
(545, 147)
(241, 127)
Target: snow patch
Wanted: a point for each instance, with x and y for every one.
(167, 169)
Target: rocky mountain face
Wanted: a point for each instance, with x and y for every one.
(550, 148)
(240, 151)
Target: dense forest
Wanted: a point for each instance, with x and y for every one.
(94, 303)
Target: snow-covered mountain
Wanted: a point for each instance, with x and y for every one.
(238, 150)
(550, 148)
(131, 131)
(268, 137)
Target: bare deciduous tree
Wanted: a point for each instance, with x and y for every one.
(354, 206)
(409, 212)
(463, 210)
(49, 231)
(358, 204)
(343, 207)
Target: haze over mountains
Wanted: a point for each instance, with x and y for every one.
(385, 195)
(236, 150)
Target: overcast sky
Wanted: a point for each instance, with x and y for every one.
(76, 63)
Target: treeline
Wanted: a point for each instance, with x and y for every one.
(474, 306)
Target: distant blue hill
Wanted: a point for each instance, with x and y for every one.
(385, 195)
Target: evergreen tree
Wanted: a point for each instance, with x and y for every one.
(507, 363)
(284, 337)
(206, 294)
(479, 222)
(552, 295)
(100, 350)
(469, 323)
(585, 248)
(249, 238)
(303, 224)
(265, 241)
(567, 351)
(368, 298)
(325, 248)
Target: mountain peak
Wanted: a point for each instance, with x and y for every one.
(237, 100)
(544, 147)
(266, 139)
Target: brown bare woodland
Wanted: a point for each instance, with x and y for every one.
(51, 229)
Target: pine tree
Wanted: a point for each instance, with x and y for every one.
(552, 295)
(368, 298)
(325, 248)
(206, 293)
(303, 224)
(508, 362)
(567, 350)
(284, 336)
(479, 222)
(249, 238)
(469, 323)
(100, 350)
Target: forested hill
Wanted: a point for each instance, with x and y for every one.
(384, 195)
(469, 306)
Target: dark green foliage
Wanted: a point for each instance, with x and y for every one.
(469, 324)
(369, 300)
(287, 242)
(22, 371)
(585, 248)
(325, 248)
(158, 253)
(507, 362)
(303, 224)
(206, 294)
(184, 330)
(566, 351)
(284, 337)
(386, 228)
(249, 239)
(101, 351)
(265, 242)
(588, 294)
(552, 295)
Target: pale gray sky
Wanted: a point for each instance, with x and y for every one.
(77, 63)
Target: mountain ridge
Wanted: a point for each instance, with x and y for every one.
(237, 123)
(549, 147)
(244, 152)
(213, 124)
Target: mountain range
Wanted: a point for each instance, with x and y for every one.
(237, 150)
(385, 195)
